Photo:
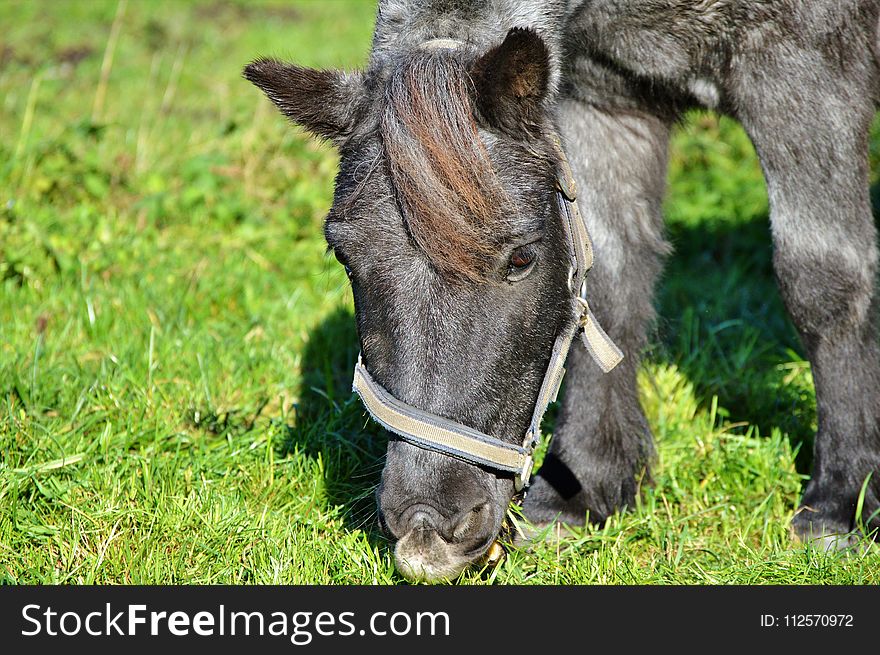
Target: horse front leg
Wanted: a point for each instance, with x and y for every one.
(813, 149)
(602, 443)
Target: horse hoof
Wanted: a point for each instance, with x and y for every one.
(824, 536)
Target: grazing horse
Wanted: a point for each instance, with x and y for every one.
(454, 225)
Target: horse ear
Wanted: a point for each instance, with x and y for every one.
(512, 81)
(322, 101)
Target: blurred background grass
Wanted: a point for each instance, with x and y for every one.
(175, 345)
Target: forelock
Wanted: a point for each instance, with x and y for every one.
(451, 199)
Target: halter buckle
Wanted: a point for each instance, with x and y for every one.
(585, 311)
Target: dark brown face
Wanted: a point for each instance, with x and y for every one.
(459, 284)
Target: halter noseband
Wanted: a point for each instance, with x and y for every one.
(454, 439)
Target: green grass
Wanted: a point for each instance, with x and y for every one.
(176, 346)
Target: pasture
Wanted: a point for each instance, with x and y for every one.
(176, 344)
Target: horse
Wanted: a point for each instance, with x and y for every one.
(453, 219)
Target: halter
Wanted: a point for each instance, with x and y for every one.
(442, 435)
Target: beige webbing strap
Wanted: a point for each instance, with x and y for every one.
(434, 432)
(550, 386)
(578, 237)
(598, 343)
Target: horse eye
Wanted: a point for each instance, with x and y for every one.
(521, 262)
(520, 258)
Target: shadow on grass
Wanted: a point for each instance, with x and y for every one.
(330, 423)
(723, 323)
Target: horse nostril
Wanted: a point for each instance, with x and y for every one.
(422, 521)
(420, 517)
(472, 522)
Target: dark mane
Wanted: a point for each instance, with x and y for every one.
(451, 199)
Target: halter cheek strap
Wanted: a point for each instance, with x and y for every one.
(454, 439)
